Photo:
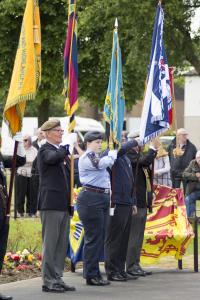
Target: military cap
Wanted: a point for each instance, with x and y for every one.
(92, 136)
(50, 124)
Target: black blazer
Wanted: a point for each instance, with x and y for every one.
(35, 144)
(54, 174)
(145, 161)
(180, 163)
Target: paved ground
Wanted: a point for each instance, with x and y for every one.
(162, 285)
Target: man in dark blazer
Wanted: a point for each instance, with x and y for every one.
(6, 162)
(119, 224)
(141, 165)
(53, 203)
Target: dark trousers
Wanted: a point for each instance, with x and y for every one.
(117, 236)
(136, 238)
(26, 188)
(176, 183)
(93, 209)
(22, 192)
(34, 188)
(2, 237)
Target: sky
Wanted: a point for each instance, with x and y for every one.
(196, 20)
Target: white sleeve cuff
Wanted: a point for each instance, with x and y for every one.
(20, 150)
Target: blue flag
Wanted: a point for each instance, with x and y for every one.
(157, 99)
(115, 102)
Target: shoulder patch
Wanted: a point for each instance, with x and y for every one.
(94, 160)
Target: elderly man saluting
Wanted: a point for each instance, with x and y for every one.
(54, 194)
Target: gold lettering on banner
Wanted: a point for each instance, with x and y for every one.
(23, 59)
(36, 34)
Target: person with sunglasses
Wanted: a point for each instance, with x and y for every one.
(23, 187)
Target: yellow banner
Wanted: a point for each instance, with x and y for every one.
(26, 74)
(167, 231)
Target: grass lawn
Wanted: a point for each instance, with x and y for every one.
(25, 234)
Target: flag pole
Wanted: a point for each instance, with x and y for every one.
(71, 84)
(12, 176)
(115, 146)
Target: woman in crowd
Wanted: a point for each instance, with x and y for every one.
(162, 167)
(23, 183)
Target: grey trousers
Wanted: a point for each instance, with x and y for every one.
(55, 237)
(136, 238)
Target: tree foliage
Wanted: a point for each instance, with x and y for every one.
(95, 28)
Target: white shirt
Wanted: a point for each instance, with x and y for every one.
(25, 170)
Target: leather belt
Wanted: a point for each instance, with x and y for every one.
(96, 190)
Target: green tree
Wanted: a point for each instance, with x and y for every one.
(53, 20)
(95, 28)
(136, 20)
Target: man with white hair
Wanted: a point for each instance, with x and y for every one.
(40, 139)
(181, 151)
(192, 175)
(54, 205)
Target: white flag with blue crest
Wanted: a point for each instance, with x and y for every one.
(157, 99)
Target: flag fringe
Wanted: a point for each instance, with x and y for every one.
(153, 135)
(21, 98)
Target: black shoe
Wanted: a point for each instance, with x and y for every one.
(104, 281)
(95, 281)
(67, 287)
(128, 276)
(55, 289)
(146, 272)
(3, 297)
(116, 277)
(137, 273)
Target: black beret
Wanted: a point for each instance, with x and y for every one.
(134, 143)
(50, 124)
(92, 136)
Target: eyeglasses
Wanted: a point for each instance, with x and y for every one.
(58, 130)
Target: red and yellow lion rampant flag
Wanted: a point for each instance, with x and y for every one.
(167, 231)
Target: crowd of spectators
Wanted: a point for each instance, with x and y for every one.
(176, 166)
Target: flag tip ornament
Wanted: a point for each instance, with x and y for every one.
(116, 23)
